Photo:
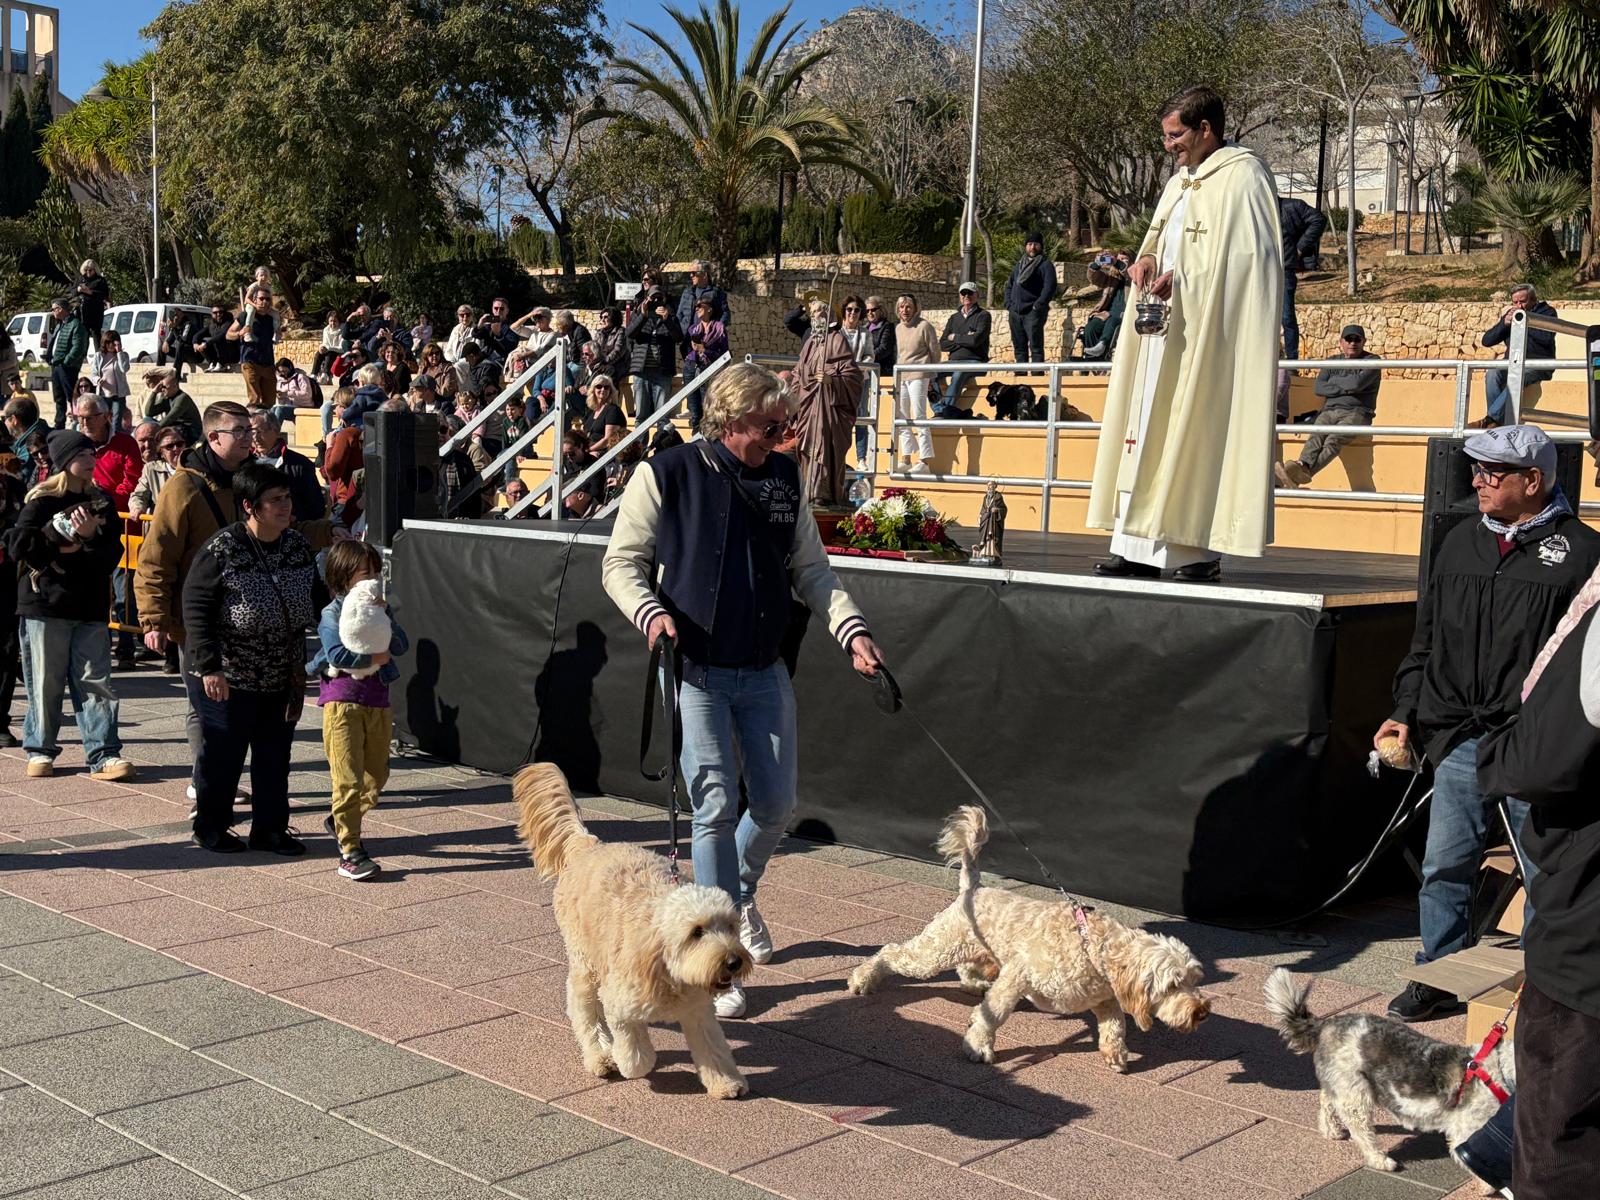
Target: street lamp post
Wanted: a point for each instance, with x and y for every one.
(1392, 140)
(155, 203)
(969, 218)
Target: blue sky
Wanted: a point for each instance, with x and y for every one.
(93, 31)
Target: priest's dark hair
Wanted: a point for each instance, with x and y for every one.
(1194, 105)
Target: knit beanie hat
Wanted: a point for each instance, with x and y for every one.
(64, 445)
(1033, 235)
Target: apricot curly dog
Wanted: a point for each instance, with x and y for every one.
(1010, 948)
(640, 947)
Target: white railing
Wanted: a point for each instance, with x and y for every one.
(1515, 365)
(645, 428)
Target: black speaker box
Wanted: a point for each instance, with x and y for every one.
(402, 471)
(1449, 499)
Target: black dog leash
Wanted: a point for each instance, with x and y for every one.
(890, 700)
(665, 674)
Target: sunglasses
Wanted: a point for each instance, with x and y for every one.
(873, 308)
(1494, 473)
(773, 428)
(852, 308)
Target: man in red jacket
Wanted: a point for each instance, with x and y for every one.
(117, 467)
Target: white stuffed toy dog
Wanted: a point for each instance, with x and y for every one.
(364, 625)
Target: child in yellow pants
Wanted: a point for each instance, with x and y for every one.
(356, 719)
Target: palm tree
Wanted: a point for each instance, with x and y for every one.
(1526, 210)
(739, 121)
(1533, 49)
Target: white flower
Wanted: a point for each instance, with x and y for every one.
(895, 508)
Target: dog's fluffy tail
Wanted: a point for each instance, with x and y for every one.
(1286, 1000)
(963, 835)
(550, 823)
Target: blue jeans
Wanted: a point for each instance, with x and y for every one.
(327, 418)
(697, 398)
(1457, 831)
(1497, 394)
(1291, 322)
(741, 723)
(650, 392)
(949, 389)
(285, 415)
(60, 656)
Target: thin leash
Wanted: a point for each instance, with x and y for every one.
(1475, 1067)
(890, 700)
(665, 675)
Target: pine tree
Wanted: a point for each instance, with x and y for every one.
(15, 146)
(35, 174)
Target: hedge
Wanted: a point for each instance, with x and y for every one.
(918, 225)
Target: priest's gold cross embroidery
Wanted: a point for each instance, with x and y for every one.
(1195, 232)
(1188, 182)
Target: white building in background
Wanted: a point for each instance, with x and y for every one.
(1381, 157)
(30, 44)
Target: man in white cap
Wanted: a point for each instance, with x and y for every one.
(1496, 590)
(965, 339)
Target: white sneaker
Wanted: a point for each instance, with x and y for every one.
(920, 468)
(730, 1003)
(240, 793)
(754, 937)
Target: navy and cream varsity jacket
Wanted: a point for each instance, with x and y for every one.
(685, 545)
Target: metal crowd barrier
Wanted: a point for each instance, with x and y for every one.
(1516, 364)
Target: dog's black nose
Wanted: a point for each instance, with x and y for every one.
(733, 963)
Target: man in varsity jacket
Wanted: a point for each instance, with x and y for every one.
(711, 539)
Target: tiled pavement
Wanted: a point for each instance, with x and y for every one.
(175, 1025)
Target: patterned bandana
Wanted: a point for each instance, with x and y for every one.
(1520, 531)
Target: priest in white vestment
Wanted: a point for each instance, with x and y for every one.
(1183, 471)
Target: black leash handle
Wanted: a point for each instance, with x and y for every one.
(665, 674)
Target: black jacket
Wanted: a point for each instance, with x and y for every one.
(246, 608)
(72, 586)
(1031, 295)
(1550, 757)
(1541, 343)
(884, 350)
(966, 336)
(1482, 624)
(1302, 228)
(653, 343)
(306, 492)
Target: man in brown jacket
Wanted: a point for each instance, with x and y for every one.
(195, 503)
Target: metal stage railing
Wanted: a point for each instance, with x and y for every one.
(1516, 365)
(556, 355)
(645, 428)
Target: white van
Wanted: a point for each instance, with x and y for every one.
(142, 326)
(30, 332)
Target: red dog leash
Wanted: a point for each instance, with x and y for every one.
(1475, 1067)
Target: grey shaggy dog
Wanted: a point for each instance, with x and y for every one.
(1366, 1062)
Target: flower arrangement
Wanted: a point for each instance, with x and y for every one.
(896, 520)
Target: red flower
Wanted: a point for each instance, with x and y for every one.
(863, 525)
(932, 531)
(891, 493)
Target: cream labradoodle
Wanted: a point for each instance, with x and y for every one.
(1010, 948)
(640, 947)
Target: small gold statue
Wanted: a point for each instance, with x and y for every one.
(991, 528)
